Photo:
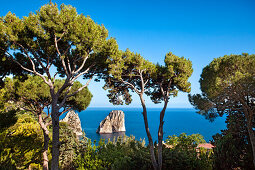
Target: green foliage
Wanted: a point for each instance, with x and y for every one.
(125, 71)
(182, 153)
(204, 106)
(226, 71)
(228, 87)
(21, 144)
(167, 80)
(78, 36)
(185, 141)
(80, 101)
(224, 83)
(233, 148)
(35, 94)
(69, 147)
(88, 157)
(7, 119)
(125, 153)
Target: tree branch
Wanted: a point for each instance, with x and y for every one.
(132, 86)
(32, 71)
(82, 65)
(84, 72)
(74, 93)
(62, 59)
(66, 110)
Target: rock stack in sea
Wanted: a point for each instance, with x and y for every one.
(73, 121)
(114, 122)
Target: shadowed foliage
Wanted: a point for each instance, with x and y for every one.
(228, 87)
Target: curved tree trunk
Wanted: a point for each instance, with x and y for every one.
(45, 150)
(160, 134)
(55, 138)
(45, 143)
(153, 159)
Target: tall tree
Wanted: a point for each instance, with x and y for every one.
(33, 95)
(71, 42)
(166, 82)
(130, 72)
(227, 84)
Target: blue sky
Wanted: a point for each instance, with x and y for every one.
(196, 29)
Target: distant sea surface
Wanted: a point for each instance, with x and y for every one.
(177, 121)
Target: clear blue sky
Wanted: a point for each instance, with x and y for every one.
(196, 29)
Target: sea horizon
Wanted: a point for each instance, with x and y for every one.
(177, 121)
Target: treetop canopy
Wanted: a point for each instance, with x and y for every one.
(226, 71)
(52, 34)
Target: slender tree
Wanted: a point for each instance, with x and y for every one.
(33, 95)
(130, 72)
(227, 84)
(71, 42)
(166, 81)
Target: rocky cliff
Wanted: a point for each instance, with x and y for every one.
(114, 122)
(73, 121)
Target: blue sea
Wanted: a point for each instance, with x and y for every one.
(177, 121)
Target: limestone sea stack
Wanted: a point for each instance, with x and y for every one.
(73, 121)
(114, 122)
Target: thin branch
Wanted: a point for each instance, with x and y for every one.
(123, 75)
(84, 72)
(61, 36)
(132, 86)
(64, 111)
(168, 87)
(54, 77)
(62, 59)
(161, 89)
(69, 65)
(74, 93)
(82, 65)
(78, 59)
(32, 71)
(146, 82)
(47, 124)
(142, 81)
(46, 69)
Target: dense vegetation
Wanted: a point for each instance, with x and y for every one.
(121, 153)
(227, 86)
(75, 46)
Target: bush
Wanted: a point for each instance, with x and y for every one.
(125, 153)
(21, 144)
(182, 153)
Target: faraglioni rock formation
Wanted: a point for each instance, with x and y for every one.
(74, 123)
(114, 122)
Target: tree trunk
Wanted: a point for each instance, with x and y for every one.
(45, 150)
(153, 159)
(160, 134)
(46, 142)
(251, 134)
(55, 138)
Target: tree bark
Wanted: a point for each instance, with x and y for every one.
(251, 134)
(45, 143)
(55, 138)
(151, 146)
(160, 134)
